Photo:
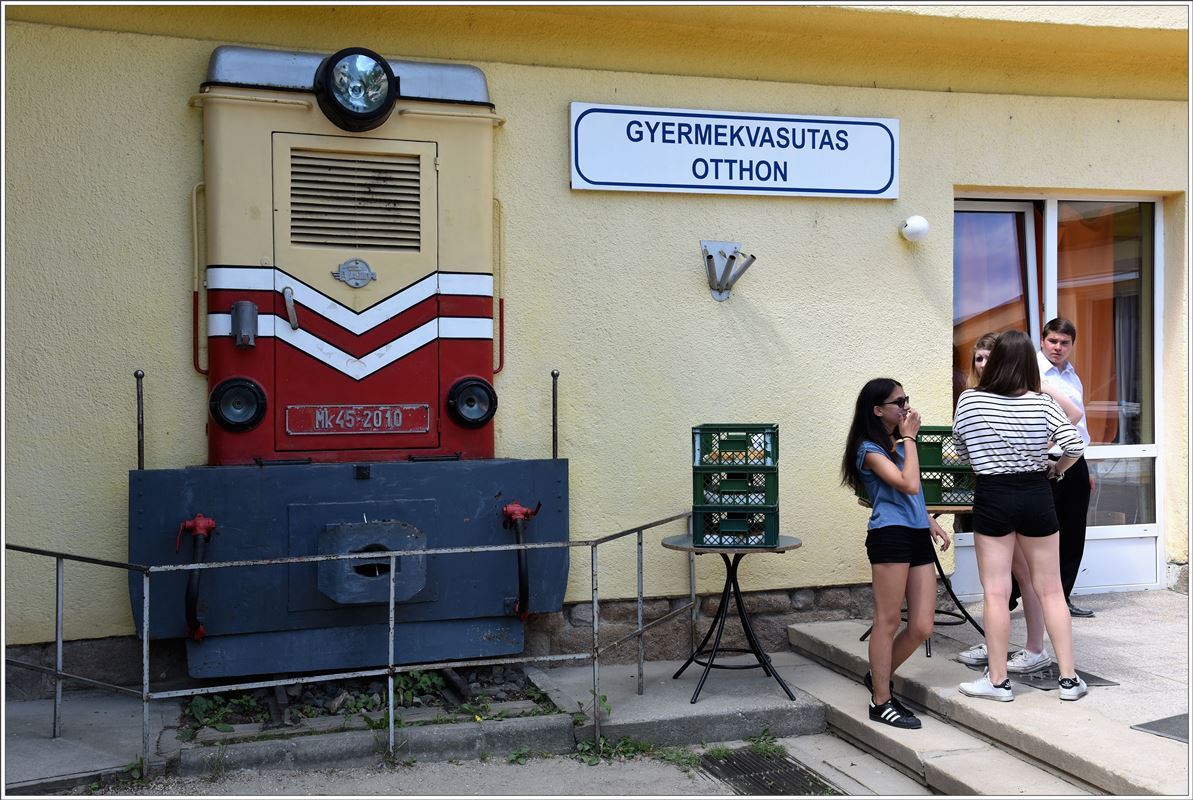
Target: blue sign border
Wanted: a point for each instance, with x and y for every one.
(736, 189)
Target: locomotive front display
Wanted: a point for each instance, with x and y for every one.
(349, 295)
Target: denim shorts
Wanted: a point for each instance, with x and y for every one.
(898, 544)
(1017, 503)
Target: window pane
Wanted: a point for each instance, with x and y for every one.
(989, 282)
(1104, 285)
(1124, 491)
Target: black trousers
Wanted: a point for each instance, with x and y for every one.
(1071, 497)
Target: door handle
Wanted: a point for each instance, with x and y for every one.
(291, 314)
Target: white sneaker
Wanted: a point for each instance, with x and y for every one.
(1073, 688)
(1027, 661)
(974, 656)
(982, 687)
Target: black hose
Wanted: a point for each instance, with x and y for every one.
(194, 628)
(522, 609)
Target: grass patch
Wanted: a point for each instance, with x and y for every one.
(765, 744)
(680, 757)
(720, 752)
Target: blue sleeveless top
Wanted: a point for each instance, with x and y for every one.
(890, 506)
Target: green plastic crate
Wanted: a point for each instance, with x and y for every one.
(942, 485)
(937, 448)
(729, 526)
(744, 445)
(746, 487)
(948, 486)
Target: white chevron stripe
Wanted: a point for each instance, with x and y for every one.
(357, 368)
(465, 328)
(257, 279)
(269, 279)
(465, 283)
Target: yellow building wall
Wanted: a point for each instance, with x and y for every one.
(608, 287)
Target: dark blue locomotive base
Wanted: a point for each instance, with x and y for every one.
(333, 615)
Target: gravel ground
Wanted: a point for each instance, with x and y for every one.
(537, 777)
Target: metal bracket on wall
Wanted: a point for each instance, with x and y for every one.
(724, 264)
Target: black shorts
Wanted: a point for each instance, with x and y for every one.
(898, 544)
(1018, 503)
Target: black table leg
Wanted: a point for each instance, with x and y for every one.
(752, 639)
(731, 589)
(718, 617)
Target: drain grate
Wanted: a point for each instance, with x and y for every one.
(748, 772)
(1176, 727)
(1046, 678)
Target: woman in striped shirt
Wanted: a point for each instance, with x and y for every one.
(1003, 427)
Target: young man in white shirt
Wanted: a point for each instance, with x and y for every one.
(1071, 495)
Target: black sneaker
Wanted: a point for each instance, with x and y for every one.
(889, 714)
(902, 708)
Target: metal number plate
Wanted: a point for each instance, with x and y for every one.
(338, 419)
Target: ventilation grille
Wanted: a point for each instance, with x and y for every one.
(355, 200)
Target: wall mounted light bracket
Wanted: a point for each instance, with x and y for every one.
(724, 264)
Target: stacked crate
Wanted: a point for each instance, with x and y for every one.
(946, 479)
(735, 485)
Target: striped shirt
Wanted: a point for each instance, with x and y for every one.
(1006, 435)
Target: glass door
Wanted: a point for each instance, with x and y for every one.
(1018, 264)
(1102, 275)
(995, 278)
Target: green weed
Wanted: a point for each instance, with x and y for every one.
(625, 748)
(765, 744)
(135, 769)
(519, 756)
(681, 757)
(416, 682)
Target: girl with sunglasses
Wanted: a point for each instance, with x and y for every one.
(880, 458)
(1004, 427)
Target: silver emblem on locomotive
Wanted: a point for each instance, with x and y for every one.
(355, 272)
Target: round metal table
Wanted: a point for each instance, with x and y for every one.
(683, 543)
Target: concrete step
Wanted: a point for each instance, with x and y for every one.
(734, 704)
(946, 759)
(974, 746)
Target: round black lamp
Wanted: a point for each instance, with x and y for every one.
(237, 404)
(356, 89)
(472, 401)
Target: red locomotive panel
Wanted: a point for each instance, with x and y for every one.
(346, 385)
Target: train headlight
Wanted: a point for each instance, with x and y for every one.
(237, 404)
(356, 89)
(472, 402)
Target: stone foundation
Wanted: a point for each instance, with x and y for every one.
(1178, 577)
(115, 659)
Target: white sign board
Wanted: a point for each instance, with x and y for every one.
(630, 149)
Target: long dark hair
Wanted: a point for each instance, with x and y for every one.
(866, 427)
(1012, 368)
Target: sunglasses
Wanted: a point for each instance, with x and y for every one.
(901, 402)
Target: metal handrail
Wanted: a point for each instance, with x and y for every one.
(391, 669)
